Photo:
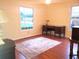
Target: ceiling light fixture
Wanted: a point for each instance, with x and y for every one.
(47, 1)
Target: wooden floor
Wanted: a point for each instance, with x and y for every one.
(59, 52)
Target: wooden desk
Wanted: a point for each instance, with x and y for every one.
(58, 30)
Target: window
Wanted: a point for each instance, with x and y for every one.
(26, 15)
(75, 16)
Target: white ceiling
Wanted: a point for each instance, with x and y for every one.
(52, 1)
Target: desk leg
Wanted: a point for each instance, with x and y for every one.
(78, 50)
(46, 32)
(71, 48)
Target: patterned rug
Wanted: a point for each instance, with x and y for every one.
(36, 46)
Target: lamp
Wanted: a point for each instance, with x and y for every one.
(47, 22)
(2, 21)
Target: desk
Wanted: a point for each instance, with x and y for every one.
(57, 30)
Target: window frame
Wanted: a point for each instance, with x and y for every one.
(26, 17)
(71, 17)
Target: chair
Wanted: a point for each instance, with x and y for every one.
(74, 39)
(7, 50)
(71, 47)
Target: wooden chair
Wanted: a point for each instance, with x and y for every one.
(71, 47)
(74, 39)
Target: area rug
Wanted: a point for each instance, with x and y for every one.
(36, 46)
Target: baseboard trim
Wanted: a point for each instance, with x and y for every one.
(26, 38)
(31, 37)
